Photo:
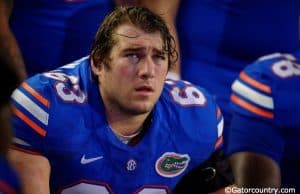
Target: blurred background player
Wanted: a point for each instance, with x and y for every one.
(40, 35)
(265, 132)
(125, 138)
(9, 183)
(218, 38)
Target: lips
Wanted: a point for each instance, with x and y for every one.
(144, 89)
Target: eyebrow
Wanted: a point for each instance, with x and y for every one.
(137, 49)
(140, 49)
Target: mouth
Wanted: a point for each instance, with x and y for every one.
(144, 89)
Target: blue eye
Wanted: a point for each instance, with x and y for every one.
(133, 58)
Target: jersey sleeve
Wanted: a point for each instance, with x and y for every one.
(253, 127)
(198, 117)
(31, 110)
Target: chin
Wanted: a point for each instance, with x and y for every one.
(141, 108)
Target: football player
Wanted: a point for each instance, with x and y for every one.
(265, 131)
(109, 122)
(41, 34)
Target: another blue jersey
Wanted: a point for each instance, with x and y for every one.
(9, 182)
(218, 38)
(266, 105)
(60, 115)
(52, 33)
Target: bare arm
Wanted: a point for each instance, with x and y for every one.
(255, 170)
(34, 171)
(9, 49)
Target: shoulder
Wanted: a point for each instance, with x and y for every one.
(192, 110)
(277, 65)
(183, 94)
(274, 68)
(44, 90)
(60, 84)
(42, 105)
(263, 83)
(190, 102)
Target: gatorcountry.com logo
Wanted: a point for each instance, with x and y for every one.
(171, 164)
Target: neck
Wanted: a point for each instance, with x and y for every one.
(125, 124)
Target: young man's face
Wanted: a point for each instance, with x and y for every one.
(138, 67)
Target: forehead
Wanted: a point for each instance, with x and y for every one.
(130, 36)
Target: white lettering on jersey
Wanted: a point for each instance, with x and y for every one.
(189, 95)
(286, 68)
(70, 93)
(104, 188)
(87, 188)
(59, 76)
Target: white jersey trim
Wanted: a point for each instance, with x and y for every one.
(30, 106)
(20, 142)
(252, 95)
(220, 127)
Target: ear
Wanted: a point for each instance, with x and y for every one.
(96, 68)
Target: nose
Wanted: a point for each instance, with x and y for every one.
(146, 68)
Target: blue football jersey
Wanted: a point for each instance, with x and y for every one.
(51, 33)
(9, 182)
(218, 38)
(60, 115)
(266, 104)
